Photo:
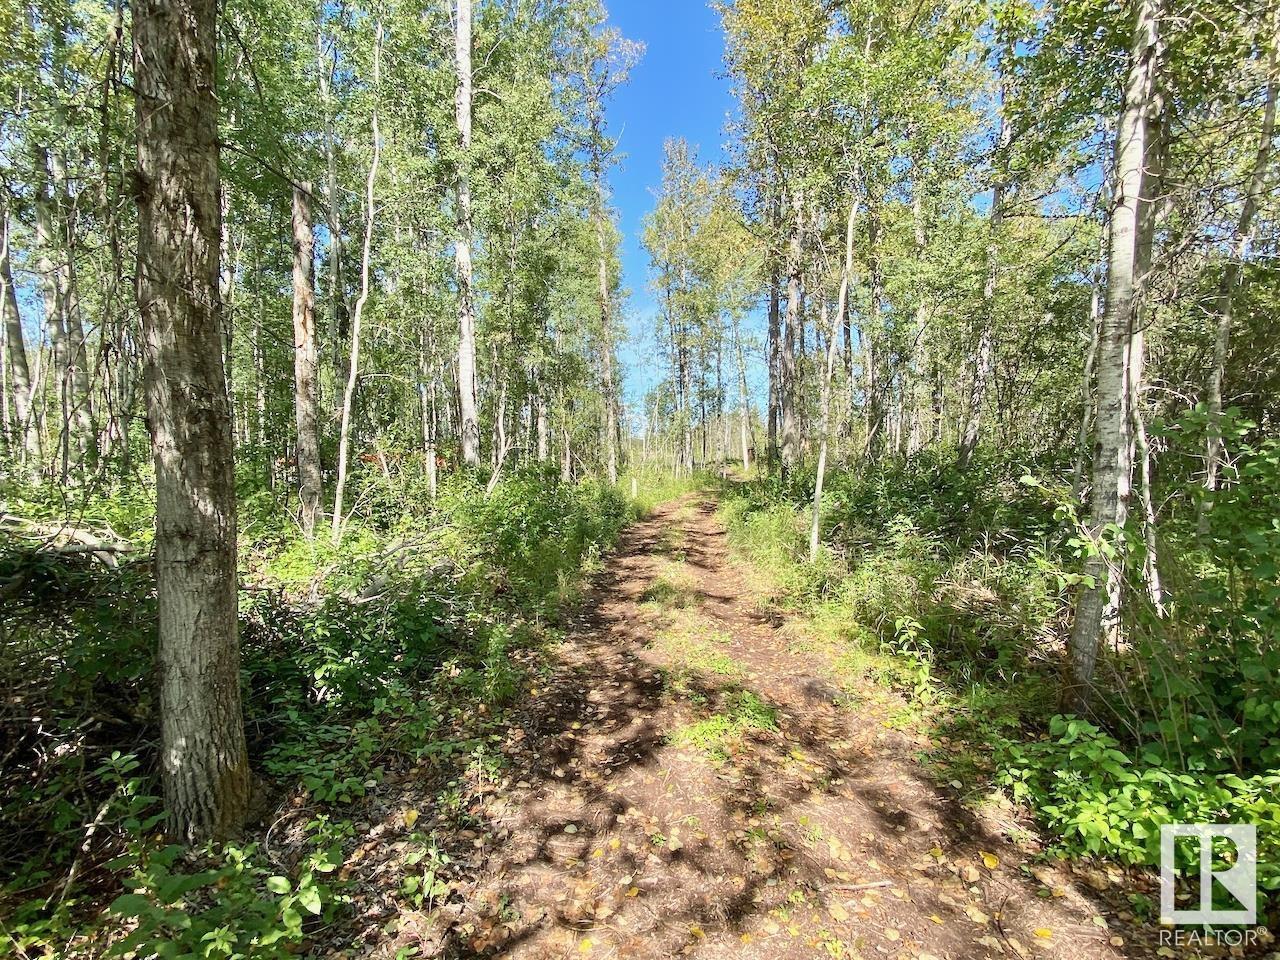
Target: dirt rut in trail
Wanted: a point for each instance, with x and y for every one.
(689, 784)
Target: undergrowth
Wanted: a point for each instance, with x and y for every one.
(399, 649)
(955, 589)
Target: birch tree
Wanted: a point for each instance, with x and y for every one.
(469, 423)
(1098, 606)
(306, 361)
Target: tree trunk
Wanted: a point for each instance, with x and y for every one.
(1230, 281)
(306, 361)
(606, 359)
(775, 389)
(427, 397)
(339, 318)
(984, 356)
(791, 334)
(353, 369)
(744, 402)
(51, 300)
(1098, 606)
(203, 760)
(1086, 384)
(875, 381)
(543, 424)
(470, 423)
(833, 346)
(20, 371)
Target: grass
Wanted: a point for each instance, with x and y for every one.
(674, 589)
(721, 733)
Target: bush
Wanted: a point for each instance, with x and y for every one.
(955, 588)
(356, 658)
(1099, 800)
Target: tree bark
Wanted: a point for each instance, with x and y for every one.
(833, 346)
(611, 430)
(775, 388)
(1098, 606)
(744, 402)
(875, 390)
(203, 760)
(15, 341)
(791, 335)
(51, 300)
(306, 362)
(470, 424)
(1086, 381)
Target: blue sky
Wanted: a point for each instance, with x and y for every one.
(677, 90)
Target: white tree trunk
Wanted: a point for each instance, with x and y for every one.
(15, 341)
(792, 332)
(1098, 606)
(842, 302)
(470, 423)
(353, 368)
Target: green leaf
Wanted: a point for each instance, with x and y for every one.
(278, 884)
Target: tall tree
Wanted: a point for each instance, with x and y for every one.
(203, 760)
(306, 361)
(1098, 606)
(1242, 239)
(467, 399)
(19, 371)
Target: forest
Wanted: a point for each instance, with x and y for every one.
(386, 572)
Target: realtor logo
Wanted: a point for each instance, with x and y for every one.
(1241, 880)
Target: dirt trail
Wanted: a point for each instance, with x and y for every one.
(686, 784)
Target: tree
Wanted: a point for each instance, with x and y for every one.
(470, 426)
(1098, 606)
(1227, 286)
(306, 363)
(203, 759)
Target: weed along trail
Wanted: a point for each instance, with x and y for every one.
(690, 779)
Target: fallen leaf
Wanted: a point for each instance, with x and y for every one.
(410, 818)
(991, 860)
(892, 934)
(838, 912)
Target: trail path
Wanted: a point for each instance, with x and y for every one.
(688, 784)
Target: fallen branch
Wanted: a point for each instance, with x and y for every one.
(863, 886)
(67, 539)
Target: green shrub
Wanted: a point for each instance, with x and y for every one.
(399, 645)
(1099, 799)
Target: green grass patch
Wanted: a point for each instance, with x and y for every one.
(691, 645)
(673, 589)
(718, 734)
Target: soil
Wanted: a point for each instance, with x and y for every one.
(688, 778)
